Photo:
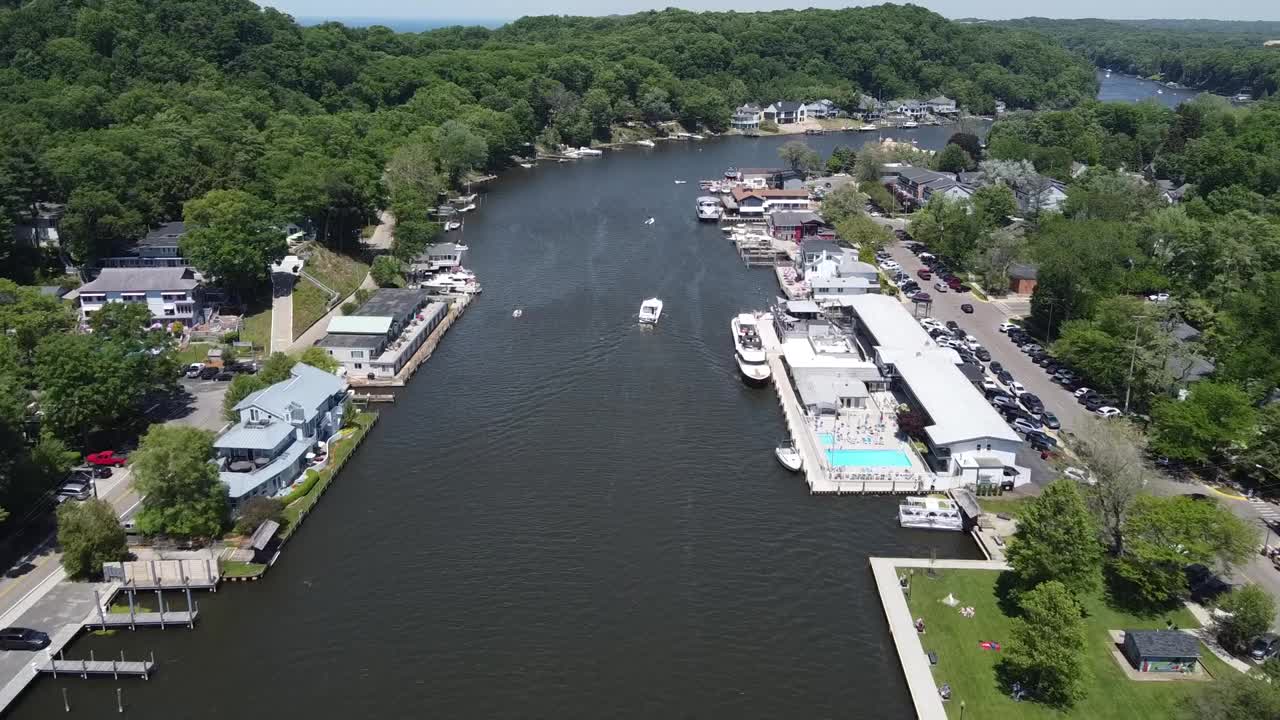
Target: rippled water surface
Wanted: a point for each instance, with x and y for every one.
(563, 515)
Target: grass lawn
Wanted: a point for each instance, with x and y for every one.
(342, 273)
(310, 303)
(194, 353)
(1008, 505)
(233, 569)
(257, 327)
(971, 670)
(338, 453)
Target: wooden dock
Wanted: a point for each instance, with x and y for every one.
(373, 398)
(168, 618)
(98, 668)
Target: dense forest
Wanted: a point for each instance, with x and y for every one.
(1220, 57)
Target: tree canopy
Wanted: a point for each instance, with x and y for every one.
(1057, 539)
(182, 495)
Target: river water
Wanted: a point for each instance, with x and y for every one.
(1123, 88)
(562, 515)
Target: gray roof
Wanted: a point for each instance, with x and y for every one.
(166, 234)
(921, 175)
(941, 100)
(1023, 271)
(825, 386)
(255, 437)
(308, 387)
(811, 246)
(1164, 643)
(790, 218)
(346, 340)
(787, 106)
(445, 248)
(263, 534)
(393, 302)
(142, 280)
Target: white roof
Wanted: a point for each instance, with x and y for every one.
(799, 353)
(361, 324)
(890, 323)
(959, 412)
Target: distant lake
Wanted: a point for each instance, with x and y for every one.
(409, 25)
(1121, 88)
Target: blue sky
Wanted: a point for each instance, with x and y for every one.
(994, 9)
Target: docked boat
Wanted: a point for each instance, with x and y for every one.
(645, 143)
(681, 182)
(458, 282)
(867, 128)
(467, 208)
(789, 457)
(910, 125)
(930, 513)
(526, 166)
(452, 225)
(589, 152)
(709, 208)
(463, 199)
(650, 311)
(749, 349)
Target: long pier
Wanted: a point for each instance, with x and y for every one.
(93, 667)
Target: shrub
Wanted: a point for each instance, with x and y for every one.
(257, 510)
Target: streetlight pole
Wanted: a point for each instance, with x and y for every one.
(1133, 361)
(1048, 331)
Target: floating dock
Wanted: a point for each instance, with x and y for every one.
(168, 574)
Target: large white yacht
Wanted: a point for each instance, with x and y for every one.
(749, 349)
(589, 152)
(650, 311)
(708, 208)
(458, 282)
(930, 513)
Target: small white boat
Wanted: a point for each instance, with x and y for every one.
(930, 513)
(910, 124)
(650, 221)
(867, 128)
(589, 152)
(789, 457)
(650, 311)
(526, 165)
(467, 208)
(517, 313)
(463, 199)
(452, 225)
(645, 143)
(681, 182)
(695, 136)
(570, 153)
(1159, 91)
(749, 349)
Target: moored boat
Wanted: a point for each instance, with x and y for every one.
(709, 208)
(789, 457)
(748, 349)
(910, 124)
(589, 152)
(458, 282)
(645, 143)
(650, 311)
(930, 513)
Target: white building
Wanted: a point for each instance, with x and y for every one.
(835, 275)
(171, 294)
(265, 451)
(747, 117)
(378, 339)
(943, 105)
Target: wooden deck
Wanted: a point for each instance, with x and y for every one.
(98, 668)
(168, 618)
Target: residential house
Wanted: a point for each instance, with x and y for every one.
(795, 224)
(377, 340)
(785, 112)
(820, 109)
(158, 248)
(1000, 107)
(439, 257)
(942, 105)
(1022, 278)
(834, 276)
(266, 450)
(917, 185)
(747, 117)
(1185, 364)
(1172, 194)
(750, 202)
(1048, 193)
(1162, 650)
(40, 229)
(913, 109)
(869, 108)
(172, 294)
(1078, 169)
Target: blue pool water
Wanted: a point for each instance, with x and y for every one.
(868, 458)
(827, 439)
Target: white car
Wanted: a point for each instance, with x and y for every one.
(193, 370)
(1007, 326)
(1106, 411)
(1082, 392)
(1079, 475)
(930, 323)
(890, 265)
(1158, 297)
(989, 384)
(973, 345)
(940, 286)
(1017, 389)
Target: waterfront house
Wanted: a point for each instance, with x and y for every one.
(869, 108)
(172, 294)
(752, 202)
(1161, 650)
(942, 105)
(795, 224)
(381, 336)
(910, 108)
(266, 450)
(158, 248)
(785, 112)
(830, 390)
(747, 117)
(39, 229)
(820, 109)
(439, 257)
(1022, 278)
(835, 274)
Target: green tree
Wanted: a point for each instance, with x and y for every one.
(1046, 654)
(842, 203)
(89, 534)
(318, 357)
(994, 205)
(276, 368)
(240, 388)
(800, 157)
(257, 510)
(1213, 418)
(461, 150)
(953, 159)
(1252, 610)
(948, 228)
(1115, 456)
(842, 159)
(412, 173)
(89, 385)
(233, 236)
(968, 142)
(387, 271)
(182, 495)
(1235, 696)
(1057, 539)
(1162, 536)
(129, 322)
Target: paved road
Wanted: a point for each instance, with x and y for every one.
(384, 234)
(281, 312)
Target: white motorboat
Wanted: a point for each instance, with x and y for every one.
(867, 128)
(452, 225)
(589, 152)
(467, 208)
(650, 221)
(463, 199)
(526, 166)
(517, 313)
(910, 124)
(570, 153)
(459, 282)
(709, 208)
(749, 349)
(696, 136)
(645, 143)
(930, 513)
(650, 311)
(789, 457)
(681, 182)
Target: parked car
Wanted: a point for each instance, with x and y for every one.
(209, 373)
(1264, 646)
(966, 308)
(1108, 412)
(982, 354)
(1023, 425)
(105, 457)
(1041, 437)
(1050, 420)
(1093, 402)
(940, 286)
(1081, 392)
(952, 325)
(1003, 401)
(1031, 403)
(194, 369)
(921, 297)
(225, 376)
(989, 385)
(1158, 297)
(247, 367)
(924, 274)
(1016, 387)
(1007, 326)
(18, 638)
(1004, 376)
(996, 366)
(74, 490)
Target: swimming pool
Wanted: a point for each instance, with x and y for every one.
(868, 458)
(827, 439)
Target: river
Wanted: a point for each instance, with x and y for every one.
(562, 515)
(1125, 88)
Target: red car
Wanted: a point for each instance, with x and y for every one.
(106, 458)
(923, 274)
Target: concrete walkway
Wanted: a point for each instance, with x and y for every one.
(281, 314)
(915, 664)
(1206, 636)
(383, 235)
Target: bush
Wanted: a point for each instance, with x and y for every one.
(349, 307)
(257, 510)
(386, 271)
(309, 481)
(231, 337)
(768, 126)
